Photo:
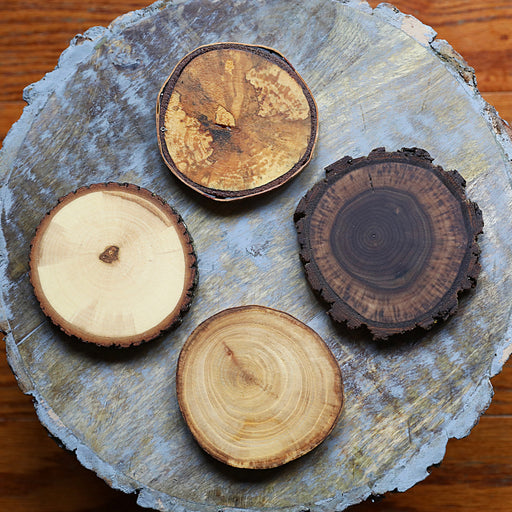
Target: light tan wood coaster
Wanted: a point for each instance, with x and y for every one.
(235, 120)
(113, 264)
(257, 387)
(389, 240)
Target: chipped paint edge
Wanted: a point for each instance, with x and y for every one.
(427, 37)
(36, 95)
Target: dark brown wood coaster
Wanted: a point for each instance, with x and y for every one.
(257, 387)
(235, 120)
(389, 240)
(113, 264)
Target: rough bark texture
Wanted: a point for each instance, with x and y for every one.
(235, 120)
(93, 120)
(113, 265)
(254, 404)
(389, 240)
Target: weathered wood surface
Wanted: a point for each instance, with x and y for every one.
(235, 120)
(438, 426)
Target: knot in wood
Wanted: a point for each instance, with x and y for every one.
(110, 254)
(171, 275)
(255, 405)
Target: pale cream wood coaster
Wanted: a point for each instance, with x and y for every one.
(257, 387)
(113, 264)
(235, 120)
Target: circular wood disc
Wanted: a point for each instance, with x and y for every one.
(235, 120)
(257, 387)
(113, 265)
(389, 240)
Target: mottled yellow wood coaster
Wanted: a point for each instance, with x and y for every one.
(257, 387)
(389, 240)
(113, 264)
(235, 120)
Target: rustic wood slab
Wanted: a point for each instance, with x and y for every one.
(235, 120)
(389, 241)
(113, 264)
(92, 120)
(257, 387)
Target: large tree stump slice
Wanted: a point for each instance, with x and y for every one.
(113, 265)
(257, 387)
(93, 120)
(389, 241)
(235, 120)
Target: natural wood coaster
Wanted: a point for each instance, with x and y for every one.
(113, 264)
(257, 387)
(389, 240)
(235, 120)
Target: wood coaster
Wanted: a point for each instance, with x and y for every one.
(113, 264)
(257, 387)
(235, 120)
(389, 240)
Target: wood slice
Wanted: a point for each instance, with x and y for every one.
(113, 265)
(235, 120)
(389, 240)
(257, 387)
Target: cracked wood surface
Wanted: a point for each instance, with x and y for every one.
(443, 487)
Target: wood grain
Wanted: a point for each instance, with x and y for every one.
(37, 476)
(113, 264)
(389, 240)
(254, 404)
(235, 121)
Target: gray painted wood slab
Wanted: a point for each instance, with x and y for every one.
(380, 79)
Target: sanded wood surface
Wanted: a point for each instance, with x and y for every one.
(113, 264)
(257, 387)
(475, 474)
(235, 120)
(389, 240)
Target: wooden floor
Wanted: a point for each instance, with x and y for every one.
(37, 476)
